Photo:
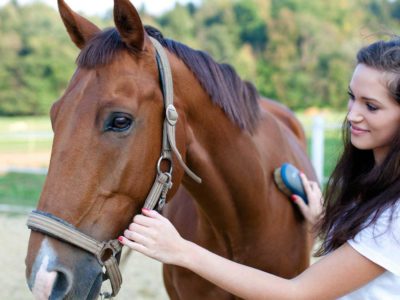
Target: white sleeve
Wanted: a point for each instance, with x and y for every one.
(380, 242)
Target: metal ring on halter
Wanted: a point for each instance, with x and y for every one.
(159, 165)
(107, 246)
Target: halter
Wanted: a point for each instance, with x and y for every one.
(107, 251)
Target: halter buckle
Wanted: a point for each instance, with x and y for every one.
(171, 114)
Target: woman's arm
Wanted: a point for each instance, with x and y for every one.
(339, 273)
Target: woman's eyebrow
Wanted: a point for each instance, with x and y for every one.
(369, 99)
(364, 97)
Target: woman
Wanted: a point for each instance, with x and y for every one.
(360, 223)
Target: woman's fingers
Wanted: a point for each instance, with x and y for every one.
(145, 220)
(152, 214)
(306, 183)
(132, 244)
(149, 218)
(154, 236)
(313, 210)
(301, 204)
(137, 236)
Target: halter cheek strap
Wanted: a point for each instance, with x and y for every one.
(163, 183)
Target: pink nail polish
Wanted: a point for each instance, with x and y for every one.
(120, 239)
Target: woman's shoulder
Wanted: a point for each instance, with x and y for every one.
(380, 240)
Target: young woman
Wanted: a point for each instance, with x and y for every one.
(360, 223)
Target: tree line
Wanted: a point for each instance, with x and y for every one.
(299, 52)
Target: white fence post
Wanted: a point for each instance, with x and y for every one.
(317, 147)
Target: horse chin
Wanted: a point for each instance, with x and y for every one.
(86, 292)
(87, 286)
(81, 289)
(95, 290)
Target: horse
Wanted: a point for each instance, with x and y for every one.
(109, 130)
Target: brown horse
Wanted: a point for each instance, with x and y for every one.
(107, 140)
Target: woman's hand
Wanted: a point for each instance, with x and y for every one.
(313, 211)
(154, 236)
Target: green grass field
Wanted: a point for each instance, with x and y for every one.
(24, 189)
(20, 189)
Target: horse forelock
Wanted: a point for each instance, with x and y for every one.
(236, 97)
(101, 49)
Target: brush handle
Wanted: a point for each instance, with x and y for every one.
(291, 178)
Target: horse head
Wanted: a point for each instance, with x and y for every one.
(108, 135)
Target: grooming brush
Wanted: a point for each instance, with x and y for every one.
(288, 180)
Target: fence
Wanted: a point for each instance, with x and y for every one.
(318, 152)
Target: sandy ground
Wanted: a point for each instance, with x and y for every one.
(142, 276)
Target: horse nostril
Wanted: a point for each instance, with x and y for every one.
(62, 285)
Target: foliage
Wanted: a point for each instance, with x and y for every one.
(300, 52)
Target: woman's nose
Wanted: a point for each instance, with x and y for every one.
(354, 113)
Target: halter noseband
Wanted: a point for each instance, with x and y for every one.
(106, 251)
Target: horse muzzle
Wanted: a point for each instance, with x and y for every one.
(69, 264)
(62, 271)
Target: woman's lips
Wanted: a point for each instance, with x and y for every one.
(357, 130)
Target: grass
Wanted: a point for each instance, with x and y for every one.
(20, 189)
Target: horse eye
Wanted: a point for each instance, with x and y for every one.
(119, 123)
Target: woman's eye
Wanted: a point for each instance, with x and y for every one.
(118, 123)
(351, 96)
(371, 107)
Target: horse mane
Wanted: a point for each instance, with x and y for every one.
(236, 97)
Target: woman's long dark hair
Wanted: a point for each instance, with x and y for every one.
(359, 190)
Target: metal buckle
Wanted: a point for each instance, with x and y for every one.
(171, 115)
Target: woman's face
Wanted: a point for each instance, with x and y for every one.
(374, 116)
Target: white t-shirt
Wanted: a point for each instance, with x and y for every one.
(380, 243)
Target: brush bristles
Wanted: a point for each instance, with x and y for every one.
(279, 182)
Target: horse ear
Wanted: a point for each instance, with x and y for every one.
(79, 29)
(129, 24)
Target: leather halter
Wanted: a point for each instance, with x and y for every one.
(107, 251)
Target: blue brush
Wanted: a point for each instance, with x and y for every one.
(288, 180)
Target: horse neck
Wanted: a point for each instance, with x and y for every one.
(224, 156)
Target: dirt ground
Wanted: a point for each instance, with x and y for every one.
(141, 275)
